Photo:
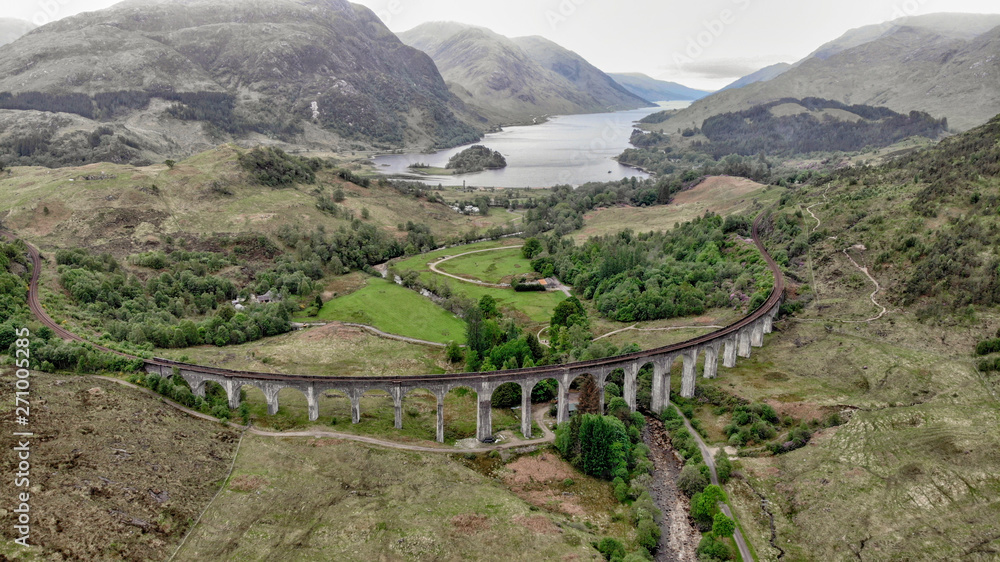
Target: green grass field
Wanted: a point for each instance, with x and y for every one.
(396, 310)
(491, 267)
(534, 308)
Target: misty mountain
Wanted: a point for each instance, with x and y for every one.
(178, 76)
(517, 80)
(944, 64)
(656, 90)
(11, 29)
(762, 75)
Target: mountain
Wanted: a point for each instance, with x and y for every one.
(585, 76)
(656, 90)
(180, 76)
(944, 64)
(762, 75)
(516, 80)
(11, 29)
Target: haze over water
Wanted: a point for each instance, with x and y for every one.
(568, 149)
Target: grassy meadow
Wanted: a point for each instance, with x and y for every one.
(395, 309)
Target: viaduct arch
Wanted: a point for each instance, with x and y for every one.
(735, 340)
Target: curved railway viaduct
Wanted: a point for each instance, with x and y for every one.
(735, 340)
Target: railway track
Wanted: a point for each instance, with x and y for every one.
(773, 299)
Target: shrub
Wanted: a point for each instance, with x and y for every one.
(723, 526)
(612, 390)
(610, 548)
(691, 480)
(621, 489)
(648, 534)
(723, 467)
(454, 352)
(711, 549)
(986, 347)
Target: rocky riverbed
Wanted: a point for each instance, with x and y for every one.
(679, 537)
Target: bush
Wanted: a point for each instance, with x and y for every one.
(610, 548)
(712, 549)
(986, 347)
(723, 526)
(691, 480)
(454, 352)
(648, 534)
(723, 467)
(507, 395)
(612, 390)
(621, 489)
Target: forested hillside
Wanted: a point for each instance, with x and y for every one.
(300, 71)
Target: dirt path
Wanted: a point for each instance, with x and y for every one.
(633, 327)
(706, 453)
(433, 266)
(396, 337)
(818, 222)
(678, 539)
(875, 292)
(861, 269)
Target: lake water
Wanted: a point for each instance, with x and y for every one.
(567, 149)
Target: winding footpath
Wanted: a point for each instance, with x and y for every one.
(861, 269)
(872, 296)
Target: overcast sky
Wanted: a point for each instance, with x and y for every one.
(703, 44)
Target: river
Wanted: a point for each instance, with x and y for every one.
(566, 149)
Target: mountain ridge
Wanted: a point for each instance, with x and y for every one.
(323, 72)
(652, 89)
(911, 67)
(516, 79)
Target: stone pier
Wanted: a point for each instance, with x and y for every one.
(731, 343)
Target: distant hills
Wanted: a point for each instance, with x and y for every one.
(520, 79)
(762, 75)
(174, 77)
(11, 29)
(656, 90)
(945, 64)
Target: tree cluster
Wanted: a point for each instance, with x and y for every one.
(630, 277)
(494, 343)
(476, 158)
(758, 131)
(275, 168)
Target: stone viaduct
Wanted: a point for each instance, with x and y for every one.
(735, 340)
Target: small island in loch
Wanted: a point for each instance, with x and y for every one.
(476, 158)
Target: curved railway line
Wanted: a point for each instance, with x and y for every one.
(773, 300)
